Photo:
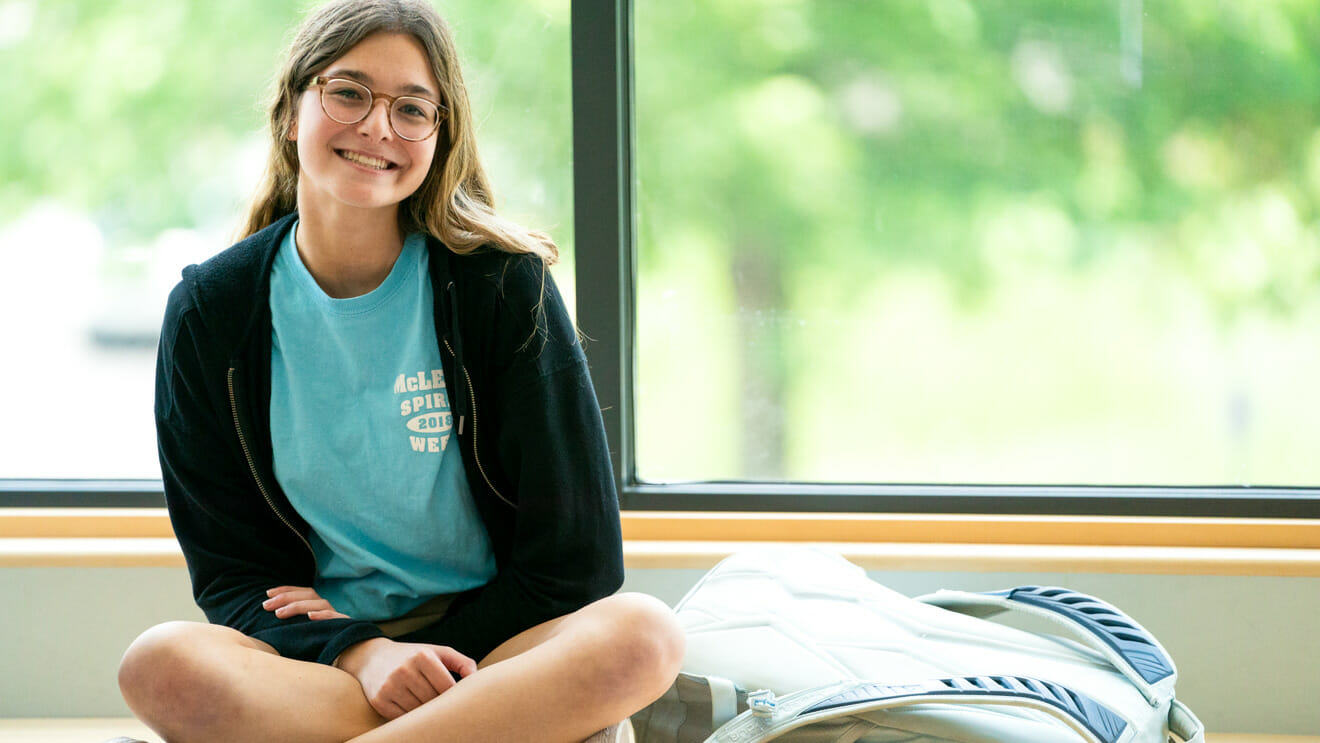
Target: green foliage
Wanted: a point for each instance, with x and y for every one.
(151, 115)
(130, 108)
(980, 240)
(877, 134)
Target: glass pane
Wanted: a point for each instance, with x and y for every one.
(946, 241)
(134, 134)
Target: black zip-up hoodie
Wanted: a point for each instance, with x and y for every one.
(526, 418)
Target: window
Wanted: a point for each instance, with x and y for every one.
(1004, 257)
(1043, 287)
(135, 133)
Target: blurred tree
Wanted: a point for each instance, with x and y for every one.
(133, 109)
(151, 115)
(849, 137)
(134, 133)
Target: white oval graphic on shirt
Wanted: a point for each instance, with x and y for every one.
(431, 422)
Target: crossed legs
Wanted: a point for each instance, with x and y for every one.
(558, 682)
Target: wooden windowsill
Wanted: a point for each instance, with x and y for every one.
(954, 543)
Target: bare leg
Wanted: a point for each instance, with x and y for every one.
(558, 682)
(202, 682)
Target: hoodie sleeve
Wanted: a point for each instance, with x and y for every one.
(237, 544)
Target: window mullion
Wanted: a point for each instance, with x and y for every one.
(604, 211)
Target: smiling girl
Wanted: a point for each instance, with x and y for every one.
(381, 451)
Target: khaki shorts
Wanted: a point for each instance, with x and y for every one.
(428, 613)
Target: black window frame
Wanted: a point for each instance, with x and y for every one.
(65, 493)
(605, 264)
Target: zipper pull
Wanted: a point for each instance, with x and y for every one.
(460, 425)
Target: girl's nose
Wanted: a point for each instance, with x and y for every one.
(377, 121)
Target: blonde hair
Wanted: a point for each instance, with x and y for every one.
(455, 202)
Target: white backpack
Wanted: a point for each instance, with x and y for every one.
(798, 645)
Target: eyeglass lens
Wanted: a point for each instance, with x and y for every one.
(348, 103)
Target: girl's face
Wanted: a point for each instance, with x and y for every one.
(365, 165)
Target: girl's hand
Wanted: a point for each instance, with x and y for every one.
(399, 677)
(293, 601)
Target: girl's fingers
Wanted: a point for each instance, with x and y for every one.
(325, 614)
(388, 708)
(421, 688)
(296, 591)
(435, 673)
(302, 607)
(456, 661)
(292, 601)
(286, 595)
(398, 693)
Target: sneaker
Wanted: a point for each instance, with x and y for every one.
(621, 733)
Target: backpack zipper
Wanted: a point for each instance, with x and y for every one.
(472, 395)
(252, 466)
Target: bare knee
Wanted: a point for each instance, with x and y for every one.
(157, 672)
(171, 679)
(640, 650)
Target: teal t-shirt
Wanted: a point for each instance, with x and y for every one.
(361, 427)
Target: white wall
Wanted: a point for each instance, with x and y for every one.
(1248, 649)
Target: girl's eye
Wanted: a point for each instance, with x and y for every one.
(413, 112)
(347, 94)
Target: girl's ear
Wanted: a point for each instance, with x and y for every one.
(292, 112)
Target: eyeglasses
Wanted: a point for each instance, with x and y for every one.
(349, 102)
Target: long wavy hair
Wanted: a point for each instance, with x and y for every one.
(455, 202)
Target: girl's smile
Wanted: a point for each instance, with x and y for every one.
(366, 161)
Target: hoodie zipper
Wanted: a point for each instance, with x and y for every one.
(476, 454)
(252, 466)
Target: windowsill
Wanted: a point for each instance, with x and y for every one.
(142, 538)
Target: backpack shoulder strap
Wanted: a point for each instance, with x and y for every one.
(1091, 721)
(1127, 646)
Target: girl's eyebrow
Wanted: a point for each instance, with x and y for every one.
(365, 79)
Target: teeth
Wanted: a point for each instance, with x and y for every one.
(370, 162)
